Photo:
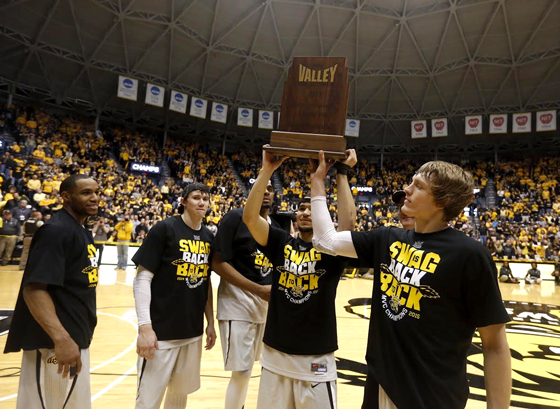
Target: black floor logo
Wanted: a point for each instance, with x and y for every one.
(534, 340)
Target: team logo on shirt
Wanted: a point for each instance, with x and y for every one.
(262, 263)
(92, 270)
(52, 360)
(193, 267)
(401, 280)
(299, 279)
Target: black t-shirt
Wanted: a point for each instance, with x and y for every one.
(236, 246)
(431, 291)
(301, 316)
(63, 256)
(505, 271)
(534, 272)
(179, 257)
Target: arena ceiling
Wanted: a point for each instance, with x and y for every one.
(407, 59)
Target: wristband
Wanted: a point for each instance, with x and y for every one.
(341, 168)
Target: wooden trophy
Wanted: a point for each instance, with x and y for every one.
(313, 113)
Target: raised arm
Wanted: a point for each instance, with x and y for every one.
(257, 225)
(325, 237)
(346, 206)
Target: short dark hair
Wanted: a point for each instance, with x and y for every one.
(305, 199)
(189, 189)
(195, 186)
(69, 184)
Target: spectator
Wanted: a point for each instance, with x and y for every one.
(556, 273)
(124, 235)
(33, 185)
(100, 231)
(141, 227)
(505, 274)
(22, 212)
(9, 232)
(533, 275)
(30, 226)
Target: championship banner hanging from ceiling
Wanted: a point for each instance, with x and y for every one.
(128, 88)
(245, 117)
(154, 95)
(521, 122)
(266, 119)
(178, 102)
(498, 123)
(473, 125)
(546, 121)
(439, 127)
(352, 128)
(198, 107)
(418, 129)
(219, 112)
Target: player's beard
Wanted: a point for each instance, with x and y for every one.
(305, 229)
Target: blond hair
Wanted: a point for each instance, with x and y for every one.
(452, 187)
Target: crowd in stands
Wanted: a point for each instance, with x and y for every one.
(191, 162)
(523, 224)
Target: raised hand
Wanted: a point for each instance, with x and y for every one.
(351, 158)
(321, 169)
(270, 162)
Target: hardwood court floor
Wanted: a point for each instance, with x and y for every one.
(534, 336)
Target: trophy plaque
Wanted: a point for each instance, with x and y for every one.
(313, 113)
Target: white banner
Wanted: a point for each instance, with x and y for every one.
(521, 122)
(154, 95)
(352, 127)
(245, 117)
(418, 129)
(128, 88)
(266, 119)
(219, 112)
(178, 102)
(439, 127)
(473, 125)
(498, 123)
(198, 107)
(546, 121)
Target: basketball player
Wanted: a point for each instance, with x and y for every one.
(299, 369)
(55, 316)
(242, 297)
(434, 287)
(172, 294)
